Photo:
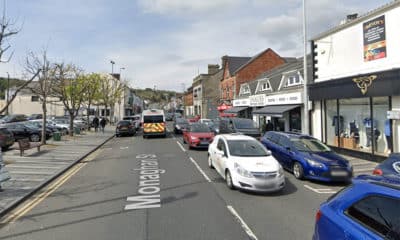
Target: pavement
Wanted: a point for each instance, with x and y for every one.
(34, 170)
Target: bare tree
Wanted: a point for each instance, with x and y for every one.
(69, 86)
(44, 85)
(7, 30)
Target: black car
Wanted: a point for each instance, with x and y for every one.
(239, 125)
(125, 127)
(6, 138)
(14, 118)
(169, 116)
(21, 130)
(180, 124)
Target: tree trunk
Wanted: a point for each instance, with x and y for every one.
(44, 124)
(88, 114)
(71, 123)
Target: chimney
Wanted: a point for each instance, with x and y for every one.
(213, 68)
(351, 16)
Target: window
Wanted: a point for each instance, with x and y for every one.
(221, 145)
(35, 99)
(293, 80)
(378, 213)
(245, 89)
(265, 86)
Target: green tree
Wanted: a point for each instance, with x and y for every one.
(92, 91)
(111, 92)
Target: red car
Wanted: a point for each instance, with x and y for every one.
(198, 135)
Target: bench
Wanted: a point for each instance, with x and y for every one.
(24, 144)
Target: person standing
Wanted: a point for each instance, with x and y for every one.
(96, 123)
(102, 124)
(388, 134)
(270, 126)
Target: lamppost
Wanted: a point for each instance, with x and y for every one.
(112, 66)
(8, 91)
(305, 92)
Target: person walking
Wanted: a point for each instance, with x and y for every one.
(96, 123)
(102, 124)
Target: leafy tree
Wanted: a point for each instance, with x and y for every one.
(111, 91)
(92, 90)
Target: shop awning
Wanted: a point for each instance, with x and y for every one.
(235, 109)
(275, 110)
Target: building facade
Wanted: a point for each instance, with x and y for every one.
(356, 88)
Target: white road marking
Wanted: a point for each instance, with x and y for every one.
(32, 167)
(123, 148)
(242, 223)
(180, 145)
(200, 170)
(28, 179)
(31, 173)
(320, 190)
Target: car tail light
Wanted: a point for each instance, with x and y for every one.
(377, 172)
(318, 215)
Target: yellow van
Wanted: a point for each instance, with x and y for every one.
(153, 122)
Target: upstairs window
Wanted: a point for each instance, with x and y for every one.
(35, 99)
(293, 80)
(245, 89)
(265, 86)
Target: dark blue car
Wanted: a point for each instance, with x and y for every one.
(367, 209)
(389, 167)
(307, 157)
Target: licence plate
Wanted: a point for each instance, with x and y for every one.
(204, 143)
(124, 128)
(339, 173)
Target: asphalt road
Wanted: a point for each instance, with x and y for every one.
(185, 200)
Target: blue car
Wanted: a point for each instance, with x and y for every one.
(367, 209)
(307, 157)
(389, 167)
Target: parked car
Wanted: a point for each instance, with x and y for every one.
(205, 121)
(21, 130)
(198, 135)
(6, 138)
(239, 125)
(35, 116)
(125, 127)
(135, 119)
(180, 124)
(50, 125)
(367, 209)
(36, 124)
(14, 118)
(169, 116)
(389, 167)
(245, 163)
(307, 157)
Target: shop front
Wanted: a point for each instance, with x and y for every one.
(283, 110)
(358, 113)
(241, 108)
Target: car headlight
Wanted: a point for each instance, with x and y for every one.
(313, 163)
(280, 171)
(193, 138)
(178, 127)
(242, 172)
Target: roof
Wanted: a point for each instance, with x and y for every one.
(236, 136)
(259, 54)
(235, 63)
(359, 19)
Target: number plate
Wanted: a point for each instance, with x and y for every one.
(339, 173)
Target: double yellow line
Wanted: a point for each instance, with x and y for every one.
(38, 198)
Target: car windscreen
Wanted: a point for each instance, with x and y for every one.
(153, 119)
(246, 148)
(244, 123)
(124, 123)
(309, 145)
(199, 128)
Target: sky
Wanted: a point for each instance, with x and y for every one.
(164, 44)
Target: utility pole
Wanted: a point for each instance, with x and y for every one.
(112, 66)
(8, 91)
(305, 78)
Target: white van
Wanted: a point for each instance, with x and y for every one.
(153, 122)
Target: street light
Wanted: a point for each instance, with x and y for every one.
(112, 66)
(305, 78)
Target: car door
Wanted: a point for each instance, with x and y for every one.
(219, 154)
(286, 152)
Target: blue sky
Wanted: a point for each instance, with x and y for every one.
(165, 43)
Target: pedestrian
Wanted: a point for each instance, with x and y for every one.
(95, 123)
(102, 124)
(269, 126)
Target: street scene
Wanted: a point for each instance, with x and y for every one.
(199, 120)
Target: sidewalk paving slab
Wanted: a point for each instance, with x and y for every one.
(34, 170)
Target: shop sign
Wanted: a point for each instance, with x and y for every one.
(283, 99)
(393, 114)
(258, 100)
(241, 102)
(364, 82)
(374, 39)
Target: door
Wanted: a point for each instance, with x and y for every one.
(219, 155)
(286, 152)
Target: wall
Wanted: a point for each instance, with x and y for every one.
(22, 104)
(341, 54)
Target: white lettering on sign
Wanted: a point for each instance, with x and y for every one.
(258, 100)
(149, 184)
(241, 102)
(288, 98)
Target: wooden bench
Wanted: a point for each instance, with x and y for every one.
(24, 144)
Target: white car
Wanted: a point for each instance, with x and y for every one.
(245, 163)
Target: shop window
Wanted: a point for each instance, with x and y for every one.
(332, 123)
(382, 128)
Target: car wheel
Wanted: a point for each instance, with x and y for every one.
(5, 148)
(228, 179)
(183, 139)
(117, 135)
(210, 164)
(298, 171)
(34, 138)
